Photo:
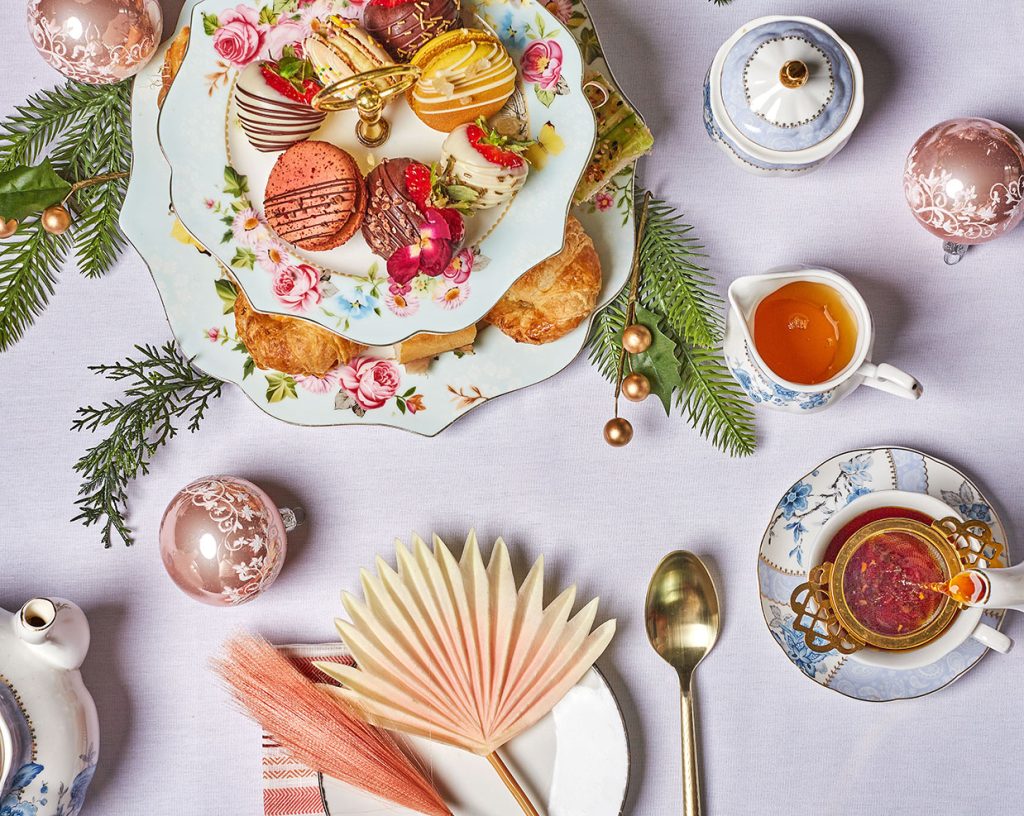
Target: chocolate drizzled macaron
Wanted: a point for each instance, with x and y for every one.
(315, 196)
(403, 27)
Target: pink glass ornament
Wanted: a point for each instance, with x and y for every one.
(964, 181)
(96, 41)
(223, 540)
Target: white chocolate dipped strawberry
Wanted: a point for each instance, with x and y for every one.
(492, 165)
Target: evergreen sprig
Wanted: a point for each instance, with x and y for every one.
(86, 131)
(162, 390)
(675, 287)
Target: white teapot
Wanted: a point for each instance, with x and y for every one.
(49, 733)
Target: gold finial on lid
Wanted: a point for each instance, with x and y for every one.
(794, 73)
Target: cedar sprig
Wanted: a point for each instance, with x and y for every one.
(86, 132)
(162, 391)
(675, 286)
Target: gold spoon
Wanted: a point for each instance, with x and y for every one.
(683, 620)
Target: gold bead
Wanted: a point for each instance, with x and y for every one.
(7, 227)
(618, 432)
(56, 219)
(636, 338)
(636, 387)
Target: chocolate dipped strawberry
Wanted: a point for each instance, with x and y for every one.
(488, 166)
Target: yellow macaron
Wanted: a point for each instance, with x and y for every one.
(466, 74)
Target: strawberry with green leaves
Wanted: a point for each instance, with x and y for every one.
(292, 76)
(482, 160)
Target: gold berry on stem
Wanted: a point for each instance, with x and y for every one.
(8, 226)
(636, 339)
(636, 387)
(618, 432)
(56, 219)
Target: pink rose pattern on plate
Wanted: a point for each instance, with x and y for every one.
(298, 287)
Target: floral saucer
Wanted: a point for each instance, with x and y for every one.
(372, 391)
(219, 178)
(805, 507)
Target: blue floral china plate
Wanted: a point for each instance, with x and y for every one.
(805, 507)
(219, 178)
(373, 390)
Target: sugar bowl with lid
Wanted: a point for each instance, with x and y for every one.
(783, 95)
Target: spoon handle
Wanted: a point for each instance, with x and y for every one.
(691, 777)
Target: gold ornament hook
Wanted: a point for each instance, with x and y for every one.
(794, 73)
(368, 93)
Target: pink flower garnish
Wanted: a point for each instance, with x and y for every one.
(604, 201)
(370, 382)
(401, 304)
(429, 255)
(298, 287)
(453, 295)
(542, 63)
(461, 266)
(240, 36)
(318, 385)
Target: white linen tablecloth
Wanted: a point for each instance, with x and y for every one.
(533, 467)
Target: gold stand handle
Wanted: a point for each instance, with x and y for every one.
(691, 772)
(510, 782)
(368, 93)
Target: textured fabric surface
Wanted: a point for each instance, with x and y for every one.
(532, 465)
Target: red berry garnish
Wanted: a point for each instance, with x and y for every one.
(418, 184)
(494, 147)
(298, 91)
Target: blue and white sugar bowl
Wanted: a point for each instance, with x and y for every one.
(783, 95)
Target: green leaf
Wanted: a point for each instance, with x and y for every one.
(280, 387)
(546, 97)
(248, 367)
(235, 184)
(660, 363)
(29, 264)
(401, 404)
(244, 258)
(26, 191)
(228, 294)
(267, 16)
(210, 23)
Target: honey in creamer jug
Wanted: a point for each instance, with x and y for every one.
(805, 332)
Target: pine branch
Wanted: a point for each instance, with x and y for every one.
(162, 389)
(45, 115)
(679, 291)
(29, 263)
(714, 403)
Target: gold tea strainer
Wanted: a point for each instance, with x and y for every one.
(823, 612)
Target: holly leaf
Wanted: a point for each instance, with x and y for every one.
(26, 190)
(280, 387)
(227, 293)
(546, 97)
(660, 363)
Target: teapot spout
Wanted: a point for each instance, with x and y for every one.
(56, 629)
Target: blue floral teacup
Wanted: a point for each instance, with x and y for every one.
(764, 386)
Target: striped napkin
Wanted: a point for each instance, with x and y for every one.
(290, 788)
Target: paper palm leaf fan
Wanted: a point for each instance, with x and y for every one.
(454, 652)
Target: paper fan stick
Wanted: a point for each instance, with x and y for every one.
(452, 651)
(323, 732)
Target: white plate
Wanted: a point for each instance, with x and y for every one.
(574, 762)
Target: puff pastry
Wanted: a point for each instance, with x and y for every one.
(554, 297)
(290, 345)
(173, 59)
